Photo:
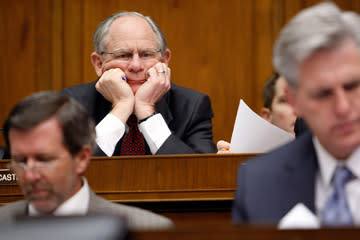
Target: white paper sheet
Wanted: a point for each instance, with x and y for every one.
(253, 134)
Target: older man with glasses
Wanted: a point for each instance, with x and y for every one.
(135, 106)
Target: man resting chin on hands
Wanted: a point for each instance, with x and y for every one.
(134, 91)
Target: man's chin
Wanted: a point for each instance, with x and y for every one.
(135, 87)
(349, 142)
(41, 200)
(343, 147)
(43, 206)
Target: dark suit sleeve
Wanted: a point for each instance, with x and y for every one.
(238, 213)
(67, 92)
(2, 152)
(85, 95)
(98, 152)
(197, 137)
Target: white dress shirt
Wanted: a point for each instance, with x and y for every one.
(323, 187)
(111, 129)
(76, 205)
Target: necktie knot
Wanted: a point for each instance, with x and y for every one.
(341, 176)
(132, 121)
(133, 142)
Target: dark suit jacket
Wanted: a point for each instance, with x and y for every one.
(300, 127)
(137, 219)
(271, 185)
(2, 152)
(187, 112)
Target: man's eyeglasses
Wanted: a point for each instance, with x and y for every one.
(126, 55)
(37, 166)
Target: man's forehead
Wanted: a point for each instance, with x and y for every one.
(49, 129)
(131, 26)
(342, 61)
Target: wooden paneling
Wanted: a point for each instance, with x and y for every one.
(221, 48)
(42, 45)
(57, 37)
(17, 52)
(73, 42)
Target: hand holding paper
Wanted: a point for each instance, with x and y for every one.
(253, 134)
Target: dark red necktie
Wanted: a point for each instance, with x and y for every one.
(133, 142)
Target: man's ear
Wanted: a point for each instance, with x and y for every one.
(165, 58)
(97, 62)
(265, 114)
(82, 159)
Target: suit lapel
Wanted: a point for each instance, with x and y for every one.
(21, 209)
(102, 107)
(162, 106)
(93, 202)
(300, 174)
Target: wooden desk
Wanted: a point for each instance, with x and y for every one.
(175, 185)
(229, 232)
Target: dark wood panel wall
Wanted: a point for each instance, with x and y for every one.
(219, 47)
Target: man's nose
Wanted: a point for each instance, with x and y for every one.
(31, 172)
(342, 102)
(135, 64)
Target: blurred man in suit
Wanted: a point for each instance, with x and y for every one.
(276, 109)
(318, 53)
(51, 138)
(131, 59)
(2, 152)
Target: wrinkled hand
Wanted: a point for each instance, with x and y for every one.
(117, 91)
(156, 85)
(223, 147)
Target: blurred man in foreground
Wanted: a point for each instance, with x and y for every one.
(51, 138)
(318, 53)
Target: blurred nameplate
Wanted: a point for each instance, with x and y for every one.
(6, 176)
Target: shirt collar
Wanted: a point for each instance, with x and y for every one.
(328, 164)
(78, 204)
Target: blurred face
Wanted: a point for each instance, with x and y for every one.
(282, 113)
(328, 98)
(131, 34)
(51, 173)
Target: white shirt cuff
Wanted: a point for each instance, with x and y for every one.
(108, 132)
(155, 131)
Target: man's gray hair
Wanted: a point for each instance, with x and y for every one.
(101, 33)
(323, 26)
(78, 128)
